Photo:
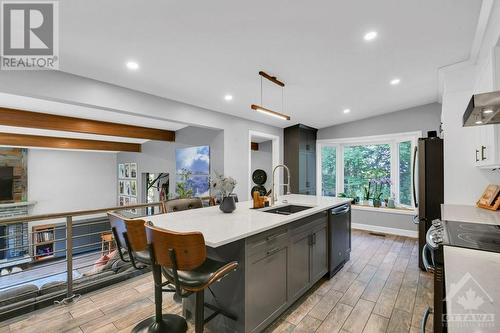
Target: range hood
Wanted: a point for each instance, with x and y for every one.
(483, 109)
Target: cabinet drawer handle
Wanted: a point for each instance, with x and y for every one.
(477, 158)
(273, 251)
(483, 149)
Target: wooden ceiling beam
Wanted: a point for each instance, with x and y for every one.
(29, 119)
(22, 140)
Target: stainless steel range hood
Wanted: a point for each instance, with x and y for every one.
(483, 109)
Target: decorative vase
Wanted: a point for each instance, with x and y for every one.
(391, 203)
(377, 203)
(228, 205)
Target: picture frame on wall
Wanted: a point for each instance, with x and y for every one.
(121, 187)
(127, 170)
(126, 187)
(133, 188)
(133, 170)
(121, 171)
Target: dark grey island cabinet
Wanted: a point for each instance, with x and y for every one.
(276, 267)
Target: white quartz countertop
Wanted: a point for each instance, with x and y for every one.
(219, 228)
(472, 290)
(472, 214)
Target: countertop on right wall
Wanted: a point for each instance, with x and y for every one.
(466, 213)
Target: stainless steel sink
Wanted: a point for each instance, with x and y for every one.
(287, 210)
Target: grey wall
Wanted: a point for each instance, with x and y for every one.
(263, 159)
(76, 90)
(384, 220)
(159, 156)
(421, 118)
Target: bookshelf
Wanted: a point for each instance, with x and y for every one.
(43, 241)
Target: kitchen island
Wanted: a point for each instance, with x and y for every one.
(280, 255)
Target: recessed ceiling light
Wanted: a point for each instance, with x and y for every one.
(228, 97)
(395, 82)
(479, 122)
(347, 110)
(132, 65)
(488, 111)
(370, 35)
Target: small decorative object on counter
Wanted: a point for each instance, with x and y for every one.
(224, 187)
(259, 201)
(490, 198)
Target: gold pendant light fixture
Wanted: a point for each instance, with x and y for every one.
(260, 108)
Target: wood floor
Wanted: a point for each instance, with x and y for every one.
(380, 289)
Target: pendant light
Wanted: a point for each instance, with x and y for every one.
(268, 112)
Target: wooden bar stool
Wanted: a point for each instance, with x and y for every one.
(131, 236)
(182, 258)
(132, 233)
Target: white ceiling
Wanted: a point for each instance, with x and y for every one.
(198, 51)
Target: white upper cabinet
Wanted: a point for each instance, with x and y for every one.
(487, 137)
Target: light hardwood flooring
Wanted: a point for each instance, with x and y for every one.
(380, 289)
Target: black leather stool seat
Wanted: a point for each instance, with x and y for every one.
(201, 277)
(142, 257)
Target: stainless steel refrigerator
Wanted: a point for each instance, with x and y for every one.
(428, 187)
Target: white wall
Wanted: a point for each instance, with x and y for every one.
(72, 89)
(61, 181)
(263, 159)
(159, 156)
(463, 182)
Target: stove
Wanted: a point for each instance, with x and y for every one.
(476, 236)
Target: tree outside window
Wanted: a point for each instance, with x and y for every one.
(405, 172)
(328, 170)
(363, 163)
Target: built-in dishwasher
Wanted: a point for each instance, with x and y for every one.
(339, 238)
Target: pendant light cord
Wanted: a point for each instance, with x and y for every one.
(261, 92)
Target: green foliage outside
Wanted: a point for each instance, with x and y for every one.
(405, 173)
(328, 170)
(182, 187)
(365, 163)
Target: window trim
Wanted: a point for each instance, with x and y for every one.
(392, 139)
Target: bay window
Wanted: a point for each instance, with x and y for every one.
(348, 165)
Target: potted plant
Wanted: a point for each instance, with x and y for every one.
(378, 190)
(224, 187)
(366, 194)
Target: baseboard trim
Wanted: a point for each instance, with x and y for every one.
(386, 230)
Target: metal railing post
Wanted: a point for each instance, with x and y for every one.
(69, 255)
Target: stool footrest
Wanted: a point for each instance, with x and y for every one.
(218, 311)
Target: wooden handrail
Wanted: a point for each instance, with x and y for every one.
(42, 217)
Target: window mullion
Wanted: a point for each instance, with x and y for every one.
(395, 170)
(340, 169)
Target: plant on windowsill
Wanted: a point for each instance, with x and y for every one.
(378, 189)
(366, 194)
(224, 187)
